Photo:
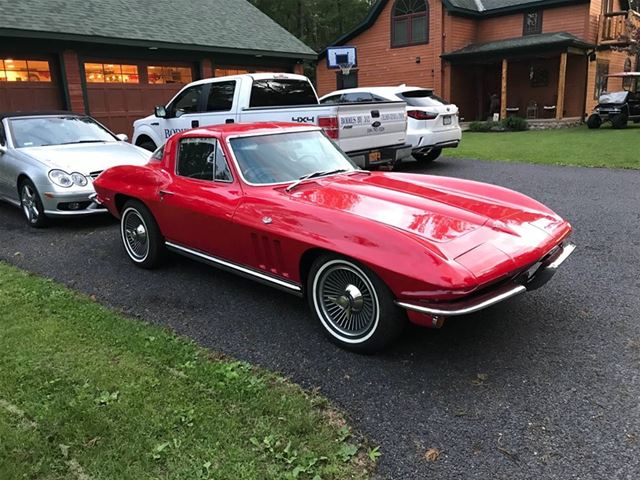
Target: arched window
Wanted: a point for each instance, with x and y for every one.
(409, 23)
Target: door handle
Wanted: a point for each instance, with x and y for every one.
(195, 123)
(375, 113)
(229, 120)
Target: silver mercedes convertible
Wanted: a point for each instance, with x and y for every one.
(48, 162)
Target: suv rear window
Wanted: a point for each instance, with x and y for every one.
(274, 92)
(422, 98)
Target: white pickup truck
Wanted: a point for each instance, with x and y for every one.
(370, 133)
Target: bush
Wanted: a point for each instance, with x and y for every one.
(479, 126)
(515, 124)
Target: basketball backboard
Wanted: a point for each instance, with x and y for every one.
(339, 57)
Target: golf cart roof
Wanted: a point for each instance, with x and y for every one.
(625, 75)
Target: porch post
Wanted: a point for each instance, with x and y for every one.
(561, 83)
(503, 90)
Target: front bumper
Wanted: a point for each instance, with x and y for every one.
(380, 156)
(531, 279)
(71, 204)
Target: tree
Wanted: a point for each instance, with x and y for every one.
(316, 22)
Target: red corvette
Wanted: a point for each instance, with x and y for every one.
(281, 204)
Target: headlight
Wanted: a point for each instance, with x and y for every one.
(61, 178)
(79, 179)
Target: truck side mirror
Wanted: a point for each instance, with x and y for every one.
(160, 111)
(123, 137)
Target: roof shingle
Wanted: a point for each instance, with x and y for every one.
(224, 24)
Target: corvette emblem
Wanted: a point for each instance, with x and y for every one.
(267, 220)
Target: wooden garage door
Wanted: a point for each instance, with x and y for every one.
(119, 93)
(29, 84)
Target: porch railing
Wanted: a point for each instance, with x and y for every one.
(614, 28)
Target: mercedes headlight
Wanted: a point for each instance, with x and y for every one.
(79, 179)
(61, 178)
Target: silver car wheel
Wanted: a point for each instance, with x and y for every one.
(346, 301)
(134, 235)
(28, 198)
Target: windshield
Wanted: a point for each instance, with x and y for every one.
(421, 98)
(287, 157)
(43, 131)
(613, 97)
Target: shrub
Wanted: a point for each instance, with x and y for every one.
(479, 126)
(515, 124)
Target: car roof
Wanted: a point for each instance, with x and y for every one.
(384, 90)
(254, 76)
(247, 129)
(48, 113)
(625, 74)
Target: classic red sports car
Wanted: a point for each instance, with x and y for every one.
(281, 204)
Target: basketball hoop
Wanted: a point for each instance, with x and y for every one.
(345, 68)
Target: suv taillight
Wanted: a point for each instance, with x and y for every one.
(420, 115)
(330, 126)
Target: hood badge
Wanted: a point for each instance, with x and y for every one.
(267, 220)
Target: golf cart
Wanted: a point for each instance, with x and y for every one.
(618, 107)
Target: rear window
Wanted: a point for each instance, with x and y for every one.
(274, 92)
(422, 98)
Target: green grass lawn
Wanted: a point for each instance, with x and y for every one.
(605, 147)
(88, 394)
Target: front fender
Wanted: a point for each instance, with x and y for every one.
(147, 131)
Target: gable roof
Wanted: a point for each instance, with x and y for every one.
(539, 42)
(233, 26)
(470, 8)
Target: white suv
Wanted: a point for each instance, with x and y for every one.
(432, 122)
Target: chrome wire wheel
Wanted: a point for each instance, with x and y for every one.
(346, 301)
(135, 235)
(28, 198)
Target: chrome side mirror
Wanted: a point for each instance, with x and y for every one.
(122, 137)
(160, 111)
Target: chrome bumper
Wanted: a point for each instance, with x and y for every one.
(532, 279)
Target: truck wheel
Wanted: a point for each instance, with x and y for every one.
(428, 157)
(594, 121)
(620, 120)
(147, 145)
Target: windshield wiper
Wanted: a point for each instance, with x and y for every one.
(319, 173)
(84, 141)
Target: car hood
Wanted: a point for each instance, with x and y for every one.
(452, 216)
(88, 157)
(613, 98)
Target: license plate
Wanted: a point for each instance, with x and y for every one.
(446, 120)
(375, 156)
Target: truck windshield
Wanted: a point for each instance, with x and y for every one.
(282, 92)
(287, 157)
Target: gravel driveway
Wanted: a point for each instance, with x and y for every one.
(546, 385)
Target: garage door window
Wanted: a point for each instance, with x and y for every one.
(161, 75)
(24, 71)
(111, 73)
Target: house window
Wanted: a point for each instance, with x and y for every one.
(347, 81)
(24, 71)
(160, 75)
(409, 23)
(532, 23)
(111, 73)
(627, 82)
(602, 70)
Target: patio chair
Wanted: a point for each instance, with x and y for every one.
(532, 109)
(549, 111)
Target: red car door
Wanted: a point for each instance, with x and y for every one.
(197, 206)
